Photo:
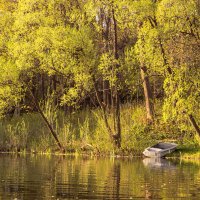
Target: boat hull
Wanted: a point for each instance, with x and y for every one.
(160, 150)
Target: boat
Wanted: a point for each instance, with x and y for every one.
(160, 150)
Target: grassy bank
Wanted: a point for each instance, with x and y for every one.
(85, 131)
(188, 152)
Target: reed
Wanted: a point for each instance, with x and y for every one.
(85, 130)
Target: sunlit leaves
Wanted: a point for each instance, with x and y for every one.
(179, 21)
(175, 15)
(148, 47)
(68, 39)
(107, 68)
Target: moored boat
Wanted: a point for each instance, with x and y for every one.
(160, 150)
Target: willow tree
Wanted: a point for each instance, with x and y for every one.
(104, 17)
(168, 45)
(45, 38)
(179, 22)
(136, 17)
(10, 90)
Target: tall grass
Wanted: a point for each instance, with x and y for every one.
(85, 130)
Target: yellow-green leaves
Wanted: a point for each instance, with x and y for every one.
(176, 15)
(107, 68)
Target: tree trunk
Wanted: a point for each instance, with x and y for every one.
(148, 94)
(103, 109)
(105, 23)
(194, 124)
(42, 86)
(118, 122)
(117, 136)
(17, 110)
(106, 99)
(46, 121)
(147, 91)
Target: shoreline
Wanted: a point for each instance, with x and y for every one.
(178, 154)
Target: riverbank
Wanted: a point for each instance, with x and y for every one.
(182, 153)
(85, 132)
(187, 153)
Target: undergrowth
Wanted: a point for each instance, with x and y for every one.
(85, 131)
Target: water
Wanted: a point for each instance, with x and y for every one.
(55, 177)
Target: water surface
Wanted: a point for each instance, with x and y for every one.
(58, 177)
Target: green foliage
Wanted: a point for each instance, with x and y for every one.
(182, 93)
(108, 69)
(14, 134)
(71, 44)
(87, 128)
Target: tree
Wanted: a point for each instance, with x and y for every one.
(9, 95)
(42, 41)
(141, 12)
(108, 69)
(180, 37)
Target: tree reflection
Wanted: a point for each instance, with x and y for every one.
(43, 177)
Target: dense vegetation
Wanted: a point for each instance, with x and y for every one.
(103, 75)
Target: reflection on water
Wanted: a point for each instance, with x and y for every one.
(42, 177)
(158, 163)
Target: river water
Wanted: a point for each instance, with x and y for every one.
(64, 177)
